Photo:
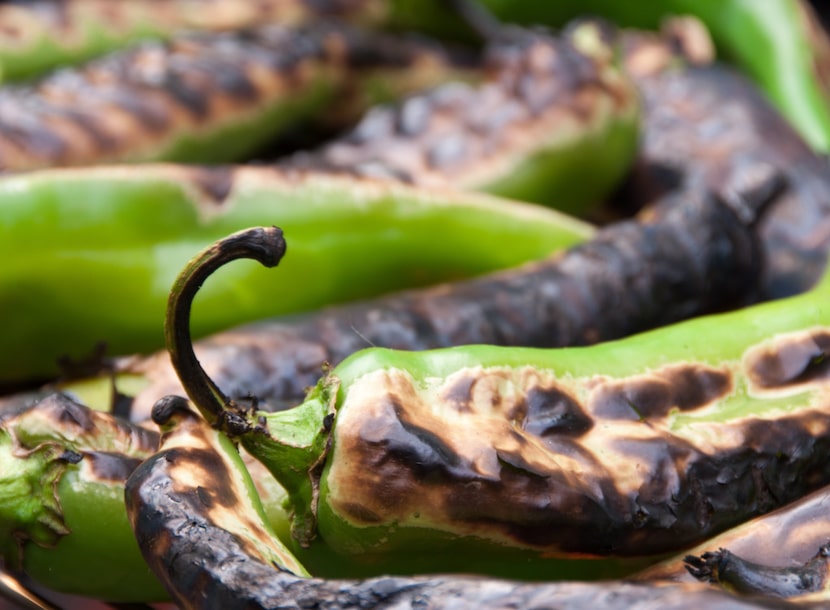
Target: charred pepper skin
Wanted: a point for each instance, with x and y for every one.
(208, 561)
(41, 35)
(701, 120)
(63, 516)
(618, 401)
(775, 552)
(769, 43)
(687, 256)
(265, 360)
(214, 97)
(550, 431)
(545, 94)
(748, 577)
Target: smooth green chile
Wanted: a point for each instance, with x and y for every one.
(100, 557)
(91, 254)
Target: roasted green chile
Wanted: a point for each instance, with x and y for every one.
(782, 553)
(770, 41)
(91, 253)
(63, 468)
(508, 135)
(62, 512)
(702, 121)
(691, 254)
(654, 398)
(276, 360)
(213, 97)
(553, 452)
(224, 556)
(39, 35)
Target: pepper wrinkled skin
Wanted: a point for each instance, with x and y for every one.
(542, 450)
(277, 360)
(807, 581)
(545, 94)
(688, 255)
(26, 191)
(209, 544)
(699, 123)
(72, 239)
(664, 396)
(40, 35)
(783, 551)
(771, 41)
(214, 97)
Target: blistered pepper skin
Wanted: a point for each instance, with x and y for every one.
(278, 359)
(553, 111)
(769, 43)
(213, 97)
(701, 409)
(690, 255)
(42, 35)
(782, 553)
(563, 457)
(208, 561)
(702, 120)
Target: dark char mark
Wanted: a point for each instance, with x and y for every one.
(792, 361)
(551, 411)
(653, 396)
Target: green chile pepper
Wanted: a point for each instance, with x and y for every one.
(63, 473)
(70, 237)
(63, 468)
(770, 41)
(552, 452)
(276, 360)
(506, 135)
(306, 432)
(202, 532)
(40, 35)
(213, 97)
(690, 254)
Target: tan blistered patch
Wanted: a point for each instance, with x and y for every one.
(202, 476)
(789, 363)
(517, 455)
(77, 427)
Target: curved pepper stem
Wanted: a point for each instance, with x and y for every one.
(292, 445)
(265, 245)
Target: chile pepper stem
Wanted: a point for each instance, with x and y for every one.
(265, 245)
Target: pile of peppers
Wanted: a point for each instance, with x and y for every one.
(549, 321)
